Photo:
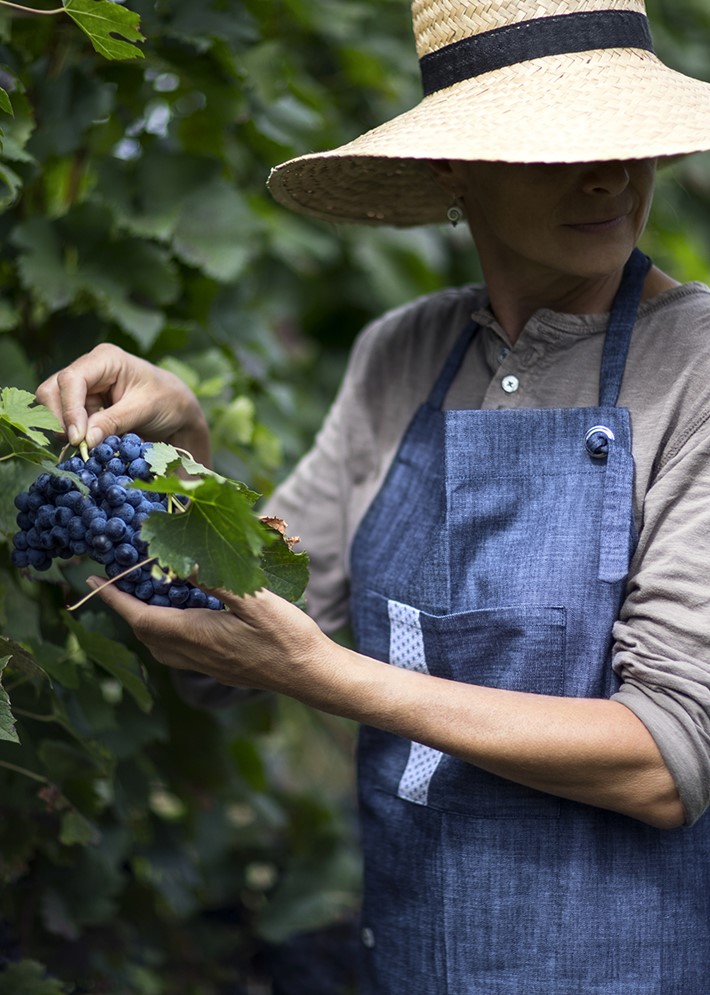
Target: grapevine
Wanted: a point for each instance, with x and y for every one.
(92, 509)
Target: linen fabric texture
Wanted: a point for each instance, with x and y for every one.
(661, 640)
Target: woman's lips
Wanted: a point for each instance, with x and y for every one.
(594, 227)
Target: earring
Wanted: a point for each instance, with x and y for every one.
(455, 212)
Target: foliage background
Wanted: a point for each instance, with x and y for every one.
(149, 848)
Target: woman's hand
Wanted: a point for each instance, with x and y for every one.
(261, 642)
(108, 391)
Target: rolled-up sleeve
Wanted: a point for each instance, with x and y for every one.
(662, 637)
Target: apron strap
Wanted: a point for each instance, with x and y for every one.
(451, 366)
(621, 325)
(616, 539)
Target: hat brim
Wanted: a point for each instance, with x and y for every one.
(615, 104)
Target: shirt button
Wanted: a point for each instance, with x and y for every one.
(368, 938)
(510, 384)
(503, 354)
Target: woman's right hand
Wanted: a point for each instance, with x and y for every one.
(110, 392)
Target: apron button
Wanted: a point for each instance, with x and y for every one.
(597, 441)
(368, 938)
(510, 384)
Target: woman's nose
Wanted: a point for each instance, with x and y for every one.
(605, 177)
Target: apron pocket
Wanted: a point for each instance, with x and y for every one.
(516, 648)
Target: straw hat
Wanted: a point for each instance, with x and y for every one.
(510, 80)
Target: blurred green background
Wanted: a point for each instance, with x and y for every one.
(149, 848)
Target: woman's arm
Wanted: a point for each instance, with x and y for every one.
(589, 750)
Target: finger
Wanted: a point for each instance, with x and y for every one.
(48, 394)
(82, 387)
(123, 415)
(247, 607)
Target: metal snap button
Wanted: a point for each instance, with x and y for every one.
(597, 441)
(510, 384)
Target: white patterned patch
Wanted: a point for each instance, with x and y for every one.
(407, 650)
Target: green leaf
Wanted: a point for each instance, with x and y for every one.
(76, 829)
(12, 184)
(20, 409)
(29, 977)
(7, 719)
(102, 20)
(216, 231)
(5, 102)
(219, 534)
(40, 263)
(286, 572)
(116, 659)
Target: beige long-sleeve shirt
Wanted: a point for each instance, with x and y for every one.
(662, 638)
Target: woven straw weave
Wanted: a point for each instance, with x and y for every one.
(443, 22)
(605, 104)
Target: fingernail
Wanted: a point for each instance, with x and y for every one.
(93, 583)
(74, 435)
(93, 437)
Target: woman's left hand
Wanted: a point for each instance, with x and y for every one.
(261, 642)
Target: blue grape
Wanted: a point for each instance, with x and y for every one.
(126, 554)
(116, 529)
(160, 601)
(102, 453)
(140, 469)
(178, 594)
(55, 520)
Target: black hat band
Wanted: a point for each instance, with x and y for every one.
(533, 39)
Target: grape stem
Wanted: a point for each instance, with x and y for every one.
(112, 580)
(35, 715)
(32, 10)
(23, 770)
(175, 506)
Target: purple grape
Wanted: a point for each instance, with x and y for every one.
(55, 519)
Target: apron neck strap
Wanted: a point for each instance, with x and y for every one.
(621, 325)
(451, 366)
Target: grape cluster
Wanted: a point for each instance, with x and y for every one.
(55, 520)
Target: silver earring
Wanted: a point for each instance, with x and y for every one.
(455, 213)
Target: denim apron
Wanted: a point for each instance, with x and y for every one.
(496, 554)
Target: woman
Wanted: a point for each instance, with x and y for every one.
(509, 500)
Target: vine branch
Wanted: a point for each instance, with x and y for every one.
(23, 770)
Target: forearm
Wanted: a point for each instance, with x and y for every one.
(589, 750)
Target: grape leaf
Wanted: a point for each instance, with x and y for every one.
(231, 547)
(102, 21)
(19, 409)
(286, 572)
(5, 102)
(76, 829)
(220, 530)
(7, 719)
(116, 659)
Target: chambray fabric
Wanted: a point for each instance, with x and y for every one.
(496, 553)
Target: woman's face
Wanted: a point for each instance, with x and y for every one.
(578, 220)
